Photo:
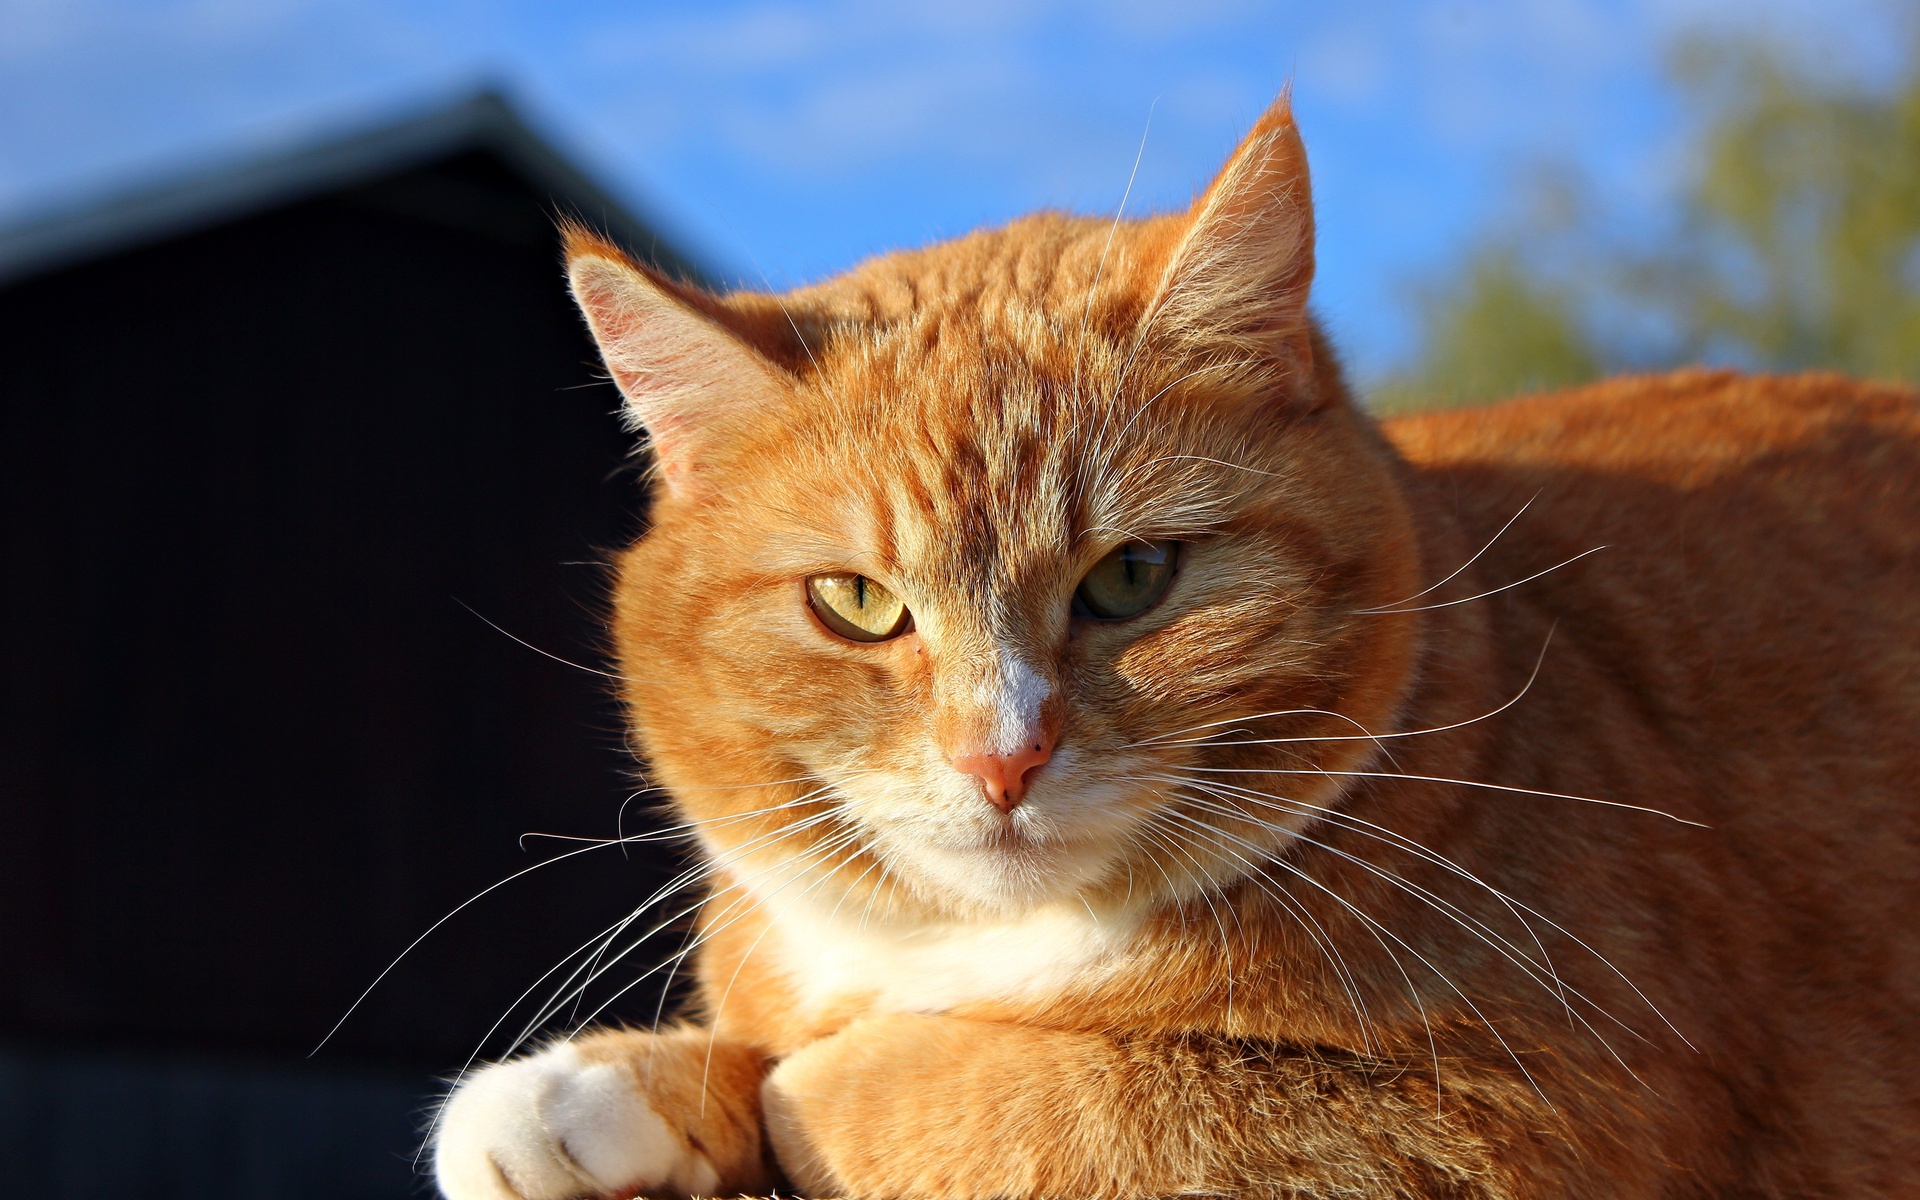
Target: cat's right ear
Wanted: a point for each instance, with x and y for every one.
(686, 380)
(1238, 278)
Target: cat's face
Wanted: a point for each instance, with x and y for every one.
(970, 586)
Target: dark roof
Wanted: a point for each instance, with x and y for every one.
(484, 121)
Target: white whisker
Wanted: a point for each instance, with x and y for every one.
(1481, 595)
(1099, 269)
(830, 845)
(1271, 887)
(720, 1008)
(1433, 587)
(428, 932)
(1376, 738)
(1497, 787)
(1465, 999)
(563, 995)
(537, 650)
(1391, 838)
(1206, 894)
(1544, 976)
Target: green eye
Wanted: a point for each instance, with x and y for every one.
(1128, 581)
(857, 608)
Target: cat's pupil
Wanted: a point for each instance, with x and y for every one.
(1128, 581)
(857, 608)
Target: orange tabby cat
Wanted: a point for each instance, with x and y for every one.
(1127, 771)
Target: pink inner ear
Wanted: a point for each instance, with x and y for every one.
(633, 326)
(673, 466)
(686, 379)
(1241, 274)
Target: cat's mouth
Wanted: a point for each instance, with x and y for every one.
(1010, 835)
(1069, 833)
(1009, 862)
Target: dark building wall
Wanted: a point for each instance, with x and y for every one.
(76, 1125)
(251, 743)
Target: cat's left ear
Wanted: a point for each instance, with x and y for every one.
(687, 380)
(1238, 277)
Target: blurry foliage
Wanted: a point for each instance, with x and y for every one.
(1505, 327)
(1797, 246)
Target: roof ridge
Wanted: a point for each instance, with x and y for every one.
(482, 119)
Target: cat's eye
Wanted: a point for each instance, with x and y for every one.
(857, 608)
(1128, 581)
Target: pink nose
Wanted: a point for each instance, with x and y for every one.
(1006, 776)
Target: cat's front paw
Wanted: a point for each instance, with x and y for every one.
(559, 1126)
(891, 1106)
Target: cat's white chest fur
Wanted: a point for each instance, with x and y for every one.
(833, 961)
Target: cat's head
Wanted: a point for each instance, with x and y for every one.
(976, 574)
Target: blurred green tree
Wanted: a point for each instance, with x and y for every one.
(1503, 328)
(1797, 246)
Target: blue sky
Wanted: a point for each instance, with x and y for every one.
(788, 140)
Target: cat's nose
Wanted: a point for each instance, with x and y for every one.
(1005, 776)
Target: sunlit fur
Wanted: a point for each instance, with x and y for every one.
(1337, 882)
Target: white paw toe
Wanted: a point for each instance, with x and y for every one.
(554, 1127)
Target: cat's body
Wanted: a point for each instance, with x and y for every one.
(1339, 876)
